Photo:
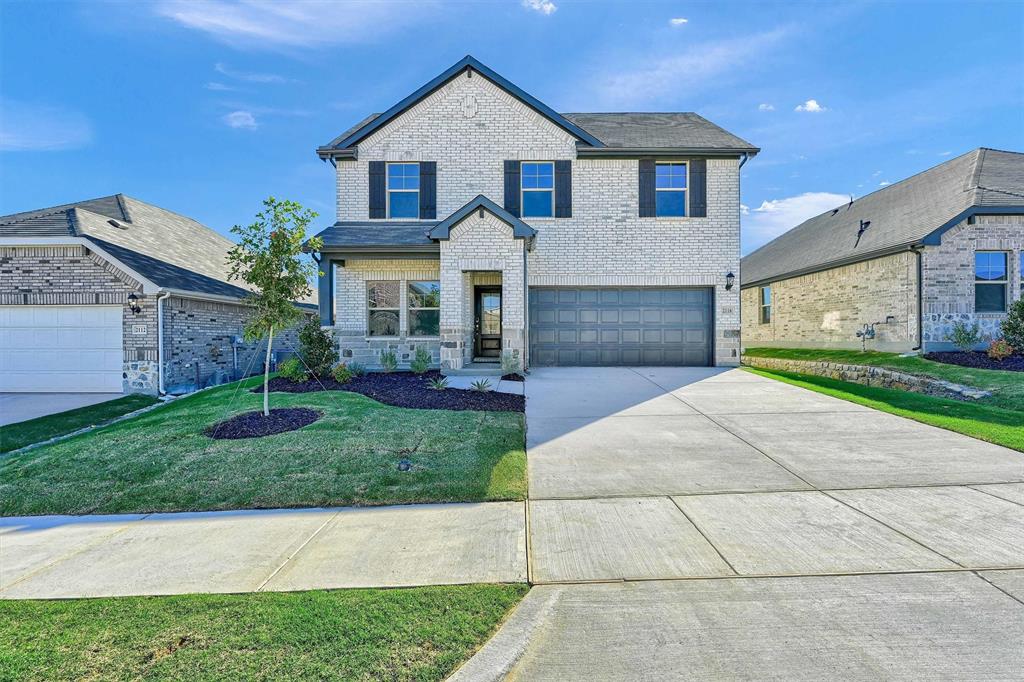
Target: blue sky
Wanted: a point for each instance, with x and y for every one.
(207, 107)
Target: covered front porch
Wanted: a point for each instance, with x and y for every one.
(455, 289)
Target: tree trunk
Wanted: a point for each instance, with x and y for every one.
(266, 375)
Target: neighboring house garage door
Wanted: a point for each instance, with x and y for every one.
(620, 326)
(61, 349)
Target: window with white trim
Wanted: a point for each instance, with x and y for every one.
(383, 304)
(670, 189)
(766, 305)
(990, 281)
(424, 302)
(404, 190)
(537, 180)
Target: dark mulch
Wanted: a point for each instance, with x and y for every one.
(405, 389)
(513, 377)
(978, 360)
(255, 425)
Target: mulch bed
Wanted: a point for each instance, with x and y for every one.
(978, 360)
(255, 425)
(405, 389)
(513, 377)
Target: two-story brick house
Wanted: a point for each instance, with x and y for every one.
(475, 221)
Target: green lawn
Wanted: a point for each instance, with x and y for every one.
(14, 436)
(161, 461)
(985, 422)
(1007, 387)
(402, 634)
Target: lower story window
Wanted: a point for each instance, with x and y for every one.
(990, 281)
(382, 303)
(424, 308)
(766, 305)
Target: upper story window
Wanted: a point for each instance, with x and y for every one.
(990, 280)
(670, 189)
(538, 187)
(403, 190)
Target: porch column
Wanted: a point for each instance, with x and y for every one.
(325, 287)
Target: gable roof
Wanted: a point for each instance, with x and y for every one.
(169, 249)
(520, 230)
(910, 212)
(352, 136)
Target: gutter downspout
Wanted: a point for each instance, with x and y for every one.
(918, 250)
(160, 340)
(746, 157)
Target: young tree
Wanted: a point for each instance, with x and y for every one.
(267, 258)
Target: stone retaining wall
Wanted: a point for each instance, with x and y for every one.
(870, 376)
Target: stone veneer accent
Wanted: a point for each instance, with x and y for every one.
(948, 274)
(826, 309)
(196, 332)
(470, 127)
(870, 376)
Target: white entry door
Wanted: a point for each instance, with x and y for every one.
(61, 349)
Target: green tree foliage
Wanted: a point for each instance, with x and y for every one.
(267, 257)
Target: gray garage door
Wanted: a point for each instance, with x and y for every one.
(620, 326)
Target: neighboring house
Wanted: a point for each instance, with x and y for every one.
(475, 221)
(912, 259)
(89, 289)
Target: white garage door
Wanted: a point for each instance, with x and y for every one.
(59, 349)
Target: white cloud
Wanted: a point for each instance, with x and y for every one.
(542, 6)
(277, 24)
(249, 76)
(945, 153)
(884, 183)
(678, 21)
(26, 126)
(241, 119)
(766, 107)
(695, 66)
(744, 209)
(219, 87)
(775, 216)
(810, 106)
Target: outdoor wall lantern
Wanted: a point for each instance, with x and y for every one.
(133, 303)
(729, 280)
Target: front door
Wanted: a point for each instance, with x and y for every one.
(488, 323)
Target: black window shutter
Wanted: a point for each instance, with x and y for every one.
(512, 187)
(698, 188)
(378, 202)
(647, 204)
(563, 189)
(428, 190)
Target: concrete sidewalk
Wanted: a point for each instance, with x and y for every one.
(247, 551)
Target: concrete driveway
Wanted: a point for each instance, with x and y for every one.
(19, 407)
(739, 527)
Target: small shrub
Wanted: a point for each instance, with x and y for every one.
(292, 369)
(999, 350)
(964, 336)
(481, 385)
(341, 373)
(421, 362)
(509, 363)
(388, 361)
(439, 383)
(1012, 327)
(316, 346)
(356, 370)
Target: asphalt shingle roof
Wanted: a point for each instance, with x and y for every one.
(682, 130)
(901, 214)
(171, 250)
(369, 234)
